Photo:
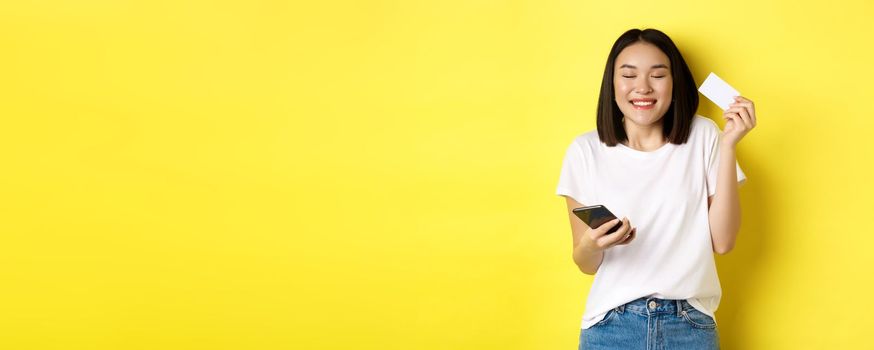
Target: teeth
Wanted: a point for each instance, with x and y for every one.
(642, 103)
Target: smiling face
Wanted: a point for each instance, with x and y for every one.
(642, 83)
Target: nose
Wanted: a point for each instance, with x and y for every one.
(641, 86)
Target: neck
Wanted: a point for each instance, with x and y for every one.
(644, 137)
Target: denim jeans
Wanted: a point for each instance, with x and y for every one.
(652, 324)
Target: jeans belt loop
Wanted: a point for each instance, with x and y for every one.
(679, 307)
(620, 308)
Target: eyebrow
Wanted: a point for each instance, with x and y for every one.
(633, 67)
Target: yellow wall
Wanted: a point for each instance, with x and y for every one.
(381, 174)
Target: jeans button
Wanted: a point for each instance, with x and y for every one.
(652, 304)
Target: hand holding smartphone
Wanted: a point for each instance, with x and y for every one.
(595, 216)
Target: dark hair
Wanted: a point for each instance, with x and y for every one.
(677, 122)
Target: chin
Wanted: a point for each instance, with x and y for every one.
(646, 119)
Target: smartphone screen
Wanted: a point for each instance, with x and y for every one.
(595, 216)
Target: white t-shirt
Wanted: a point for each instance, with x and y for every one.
(664, 195)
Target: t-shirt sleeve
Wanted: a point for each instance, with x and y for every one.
(713, 165)
(571, 179)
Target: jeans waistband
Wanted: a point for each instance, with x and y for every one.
(650, 305)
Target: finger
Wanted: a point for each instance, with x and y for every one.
(743, 99)
(733, 111)
(611, 239)
(615, 224)
(750, 106)
(629, 236)
(748, 118)
(745, 118)
(597, 233)
(745, 108)
(622, 233)
(742, 103)
(751, 112)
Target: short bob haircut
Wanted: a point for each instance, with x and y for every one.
(677, 121)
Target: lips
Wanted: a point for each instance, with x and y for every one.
(643, 103)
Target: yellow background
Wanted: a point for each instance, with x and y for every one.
(381, 174)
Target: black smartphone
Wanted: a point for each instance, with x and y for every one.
(595, 216)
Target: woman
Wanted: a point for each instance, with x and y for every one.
(673, 177)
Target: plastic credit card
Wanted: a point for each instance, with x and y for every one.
(718, 91)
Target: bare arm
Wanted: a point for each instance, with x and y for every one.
(589, 244)
(724, 206)
(724, 211)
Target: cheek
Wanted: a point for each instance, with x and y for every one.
(621, 88)
(667, 87)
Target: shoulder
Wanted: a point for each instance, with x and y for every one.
(587, 140)
(704, 128)
(585, 144)
(703, 123)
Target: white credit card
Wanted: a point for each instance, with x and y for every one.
(718, 91)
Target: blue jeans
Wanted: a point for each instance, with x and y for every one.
(652, 324)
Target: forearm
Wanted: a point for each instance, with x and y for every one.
(587, 259)
(724, 214)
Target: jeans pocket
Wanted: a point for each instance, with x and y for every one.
(698, 319)
(609, 316)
